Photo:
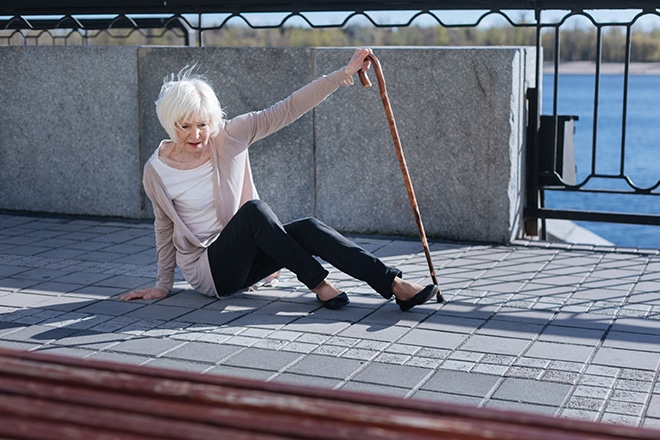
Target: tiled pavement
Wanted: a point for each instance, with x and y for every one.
(563, 330)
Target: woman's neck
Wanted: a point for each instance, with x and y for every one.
(178, 157)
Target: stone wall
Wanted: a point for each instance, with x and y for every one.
(79, 122)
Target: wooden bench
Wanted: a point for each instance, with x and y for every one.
(45, 396)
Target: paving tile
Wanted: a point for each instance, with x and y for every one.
(560, 352)
(578, 414)
(314, 325)
(177, 364)
(38, 334)
(536, 317)
(90, 340)
(202, 352)
(532, 391)
(97, 292)
(632, 341)
(496, 327)
(521, 406)
(156, 311)
(211, 317)
(448, 323)
(620, 419)
(326, 366)
(113, 308)
(392, 375)
(372, 388)
(572, 335)
(20, 299)
(123, 358)
(376, 332)
(146, 346)
(309, 381)
(461, 383)
(262, 359)
(495, 344)
(626, 359)
(586, 403)
(591, 391)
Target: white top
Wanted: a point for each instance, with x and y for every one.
(192, 194)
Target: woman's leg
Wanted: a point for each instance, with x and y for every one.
(253, 245)
(321, 240)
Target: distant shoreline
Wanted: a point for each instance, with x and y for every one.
(589, 68)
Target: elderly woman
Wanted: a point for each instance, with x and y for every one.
(208, 217)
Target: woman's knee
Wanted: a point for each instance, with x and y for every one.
(255, 209)
(302, 227)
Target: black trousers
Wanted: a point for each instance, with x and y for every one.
(254, 244)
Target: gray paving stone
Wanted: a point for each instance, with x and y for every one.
(495, 344)
(19, 345)
(392, 375)
(113, 308)
(532, 391)
(123, 358)
(620, 419)
(90, 340)
(372, 388)
(314, 325)
(560, 352)
(626, 359)
(432, 339)
(245, 373)
(211, 317)
(522, 406)
(632, 341)
(177, 364)
(19, 299)
(262, 359)
(456, 399)
(326, 366)
(39, 334)
(310, 381)
(59, 350)
(146, 346)
(157, 311)
(580, 414)
(444, 323)
(376, 332)
(461, 383)
(496, 327)
(202, 352)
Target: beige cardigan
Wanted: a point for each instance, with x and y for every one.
(176, 245)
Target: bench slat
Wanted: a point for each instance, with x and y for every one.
(39, 390)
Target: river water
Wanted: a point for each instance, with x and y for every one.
(640, 160)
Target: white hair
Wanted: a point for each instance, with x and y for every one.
(185, 97)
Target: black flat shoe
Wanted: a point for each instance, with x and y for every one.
(420, 298)
(335, 303)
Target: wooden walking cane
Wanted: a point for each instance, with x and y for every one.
(402, 160)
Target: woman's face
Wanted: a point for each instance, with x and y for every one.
(193, 135)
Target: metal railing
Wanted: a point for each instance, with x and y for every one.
(68, 23)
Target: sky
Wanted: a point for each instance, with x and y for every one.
(393, 18)
(447, 17)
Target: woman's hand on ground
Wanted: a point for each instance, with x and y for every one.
(150, 293)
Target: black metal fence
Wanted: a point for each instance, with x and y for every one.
(611, 157)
